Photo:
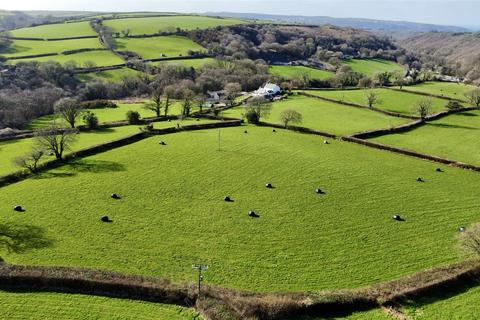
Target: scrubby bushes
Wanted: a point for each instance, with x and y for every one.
(91, 120)
(98, 104)
(133, 117)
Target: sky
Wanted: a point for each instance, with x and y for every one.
(447, 12)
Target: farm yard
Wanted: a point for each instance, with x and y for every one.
(388, 100)
(302, 214)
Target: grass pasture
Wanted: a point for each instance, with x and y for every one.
(9, 150)
(151, 48)
(456, 137)
(172, 212)
(39, 306)
(327, 116)
(389, 100)
(292, 72)
(188, 63)
(462, 306)
(446, 89)
(109, 75)
(59, 30)
(99, 58)
(108, 114)
(371, 66)
(29, 47)
(152, 25)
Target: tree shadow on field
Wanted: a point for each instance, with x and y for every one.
(94, 166)
(452, 126)
(19, 238)
(467, 114)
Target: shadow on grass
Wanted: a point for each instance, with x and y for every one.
(452, 126)
(18, 238)
(467, 114)
(94, 166)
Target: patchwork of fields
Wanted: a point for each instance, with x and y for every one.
(388, 100)
(327, 116)
(297, 238)
(172, 211)
(153, 25)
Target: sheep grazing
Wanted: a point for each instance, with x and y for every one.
(461, 229)
(18, 209)
(227, 199)
(326, 142)
(319, 191)
(439, 170)
(115, 196)
(274, 130)
(253, 214)
(245, 131)
(162, 143)
(419, 179)
(105, 219)
(269, 186)
(397, 217)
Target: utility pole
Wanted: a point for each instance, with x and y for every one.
(200, 268)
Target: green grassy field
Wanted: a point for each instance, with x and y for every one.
(28, 47)
(327, 116)
(456, 137)
(371, 66)
(16, 305)
(108, 114)
(110, 75)
(292, 72)
(150, 48)
(447, 89)
(462, 306)
(375, 314)
(9, 150)
(99, 58)
(172, 212)
(189, 63)
(390, 100)
(60, 30)
(155, 24)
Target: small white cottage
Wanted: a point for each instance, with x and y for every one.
(268, 91)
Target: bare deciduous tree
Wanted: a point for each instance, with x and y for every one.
(56, 140)
(69, 109)
(257, 108)
(422, 108)
(473, 97)
(30, 161)
(232, 90)
(156, 103)
(289, 116)
(371, 98)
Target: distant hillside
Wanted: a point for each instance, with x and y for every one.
(366, 24)
(459, 53)
(17, 19)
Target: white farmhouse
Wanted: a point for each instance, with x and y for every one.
(268, 91)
